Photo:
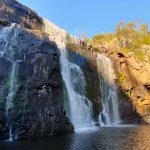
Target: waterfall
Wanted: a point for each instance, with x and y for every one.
(109, 99)
(4, 36)
(10, 134)
(12, 87)
(79, 107)
(57, 34)
(7, 38)
(8, 35)
(11, 95)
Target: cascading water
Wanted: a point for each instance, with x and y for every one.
(12, 87)
(4, 36)
(79, 107)
(110, 113)
(9, 40)
(10, 97)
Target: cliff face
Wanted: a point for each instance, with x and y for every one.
(31, 91)
(132, 78)
(87, 62)
(31, 85)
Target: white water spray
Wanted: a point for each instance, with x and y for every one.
(10, 97)
(80, 108)
(110, 113)
(5, 35)
(6, 48)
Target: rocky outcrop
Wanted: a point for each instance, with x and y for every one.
(31, 90)
(86, 59)
(12, 11)
(36, 109)
(132, 79)
(31, 86)
(133, 84)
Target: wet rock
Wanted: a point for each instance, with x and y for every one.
(4, 23)
(132, 119)
(39, 89)
(2, 118)
(1, 127)
(145, 119)
(87, 61)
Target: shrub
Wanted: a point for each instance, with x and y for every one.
(127, 94)
(139, 55)
(121, 77)
(124, 50)
(147, 110)
(71, 46)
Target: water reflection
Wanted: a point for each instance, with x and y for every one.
(105, 138)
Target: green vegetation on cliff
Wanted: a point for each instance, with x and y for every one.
(129, 37)
(135, 35)
(121, 77)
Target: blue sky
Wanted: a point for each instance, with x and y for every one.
(91, 16)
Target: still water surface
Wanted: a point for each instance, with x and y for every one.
(103, 138)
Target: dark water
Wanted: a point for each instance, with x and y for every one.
(105, 138)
